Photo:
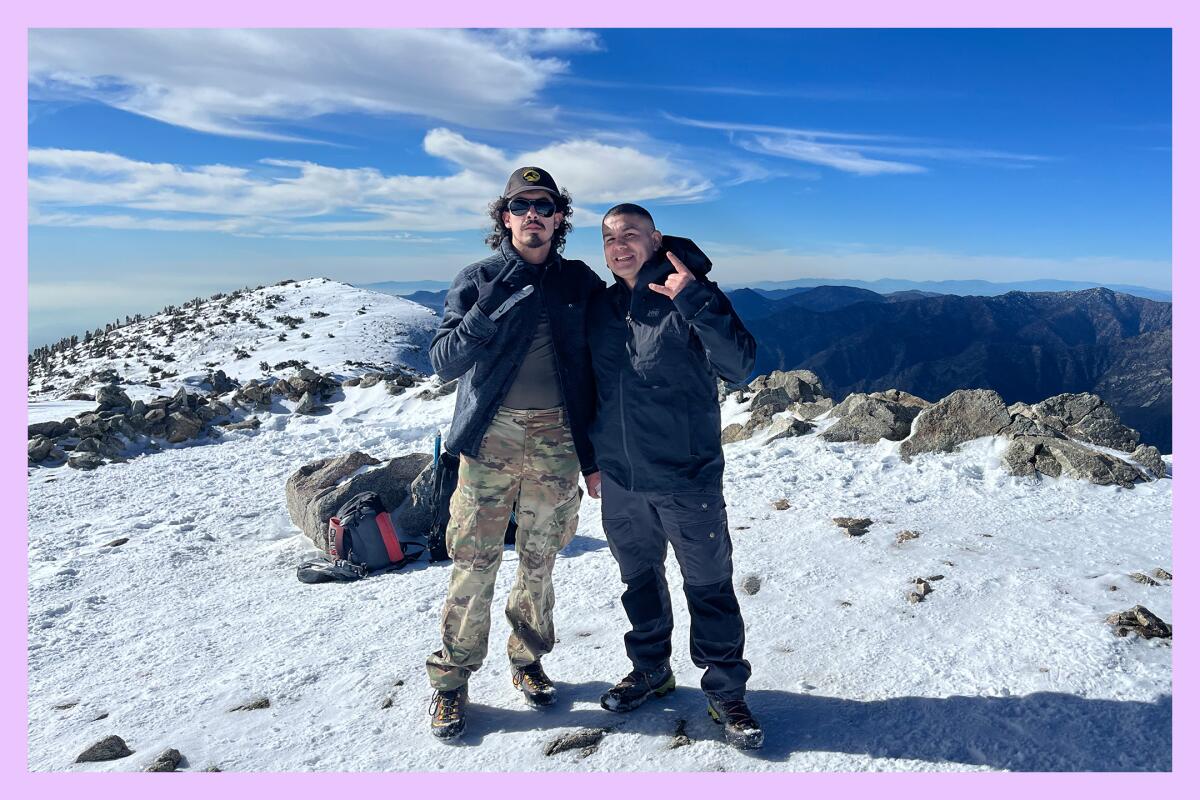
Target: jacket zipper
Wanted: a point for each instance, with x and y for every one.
(621, 390)
(562, 389)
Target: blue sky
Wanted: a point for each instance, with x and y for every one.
(166, 164)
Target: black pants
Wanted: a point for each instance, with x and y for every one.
(638, 526)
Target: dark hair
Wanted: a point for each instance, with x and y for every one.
(628, 210)
(562, 204)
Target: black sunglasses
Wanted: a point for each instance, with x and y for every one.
(520, 206)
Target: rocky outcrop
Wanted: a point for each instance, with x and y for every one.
(1141, 621)
(959, 417)
(868, 418)
(1039, 455)
(1148, 456)
(1086, 417)
(316, 491)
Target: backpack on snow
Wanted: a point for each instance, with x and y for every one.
(362, 541)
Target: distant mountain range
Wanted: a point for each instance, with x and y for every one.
(1025, 345)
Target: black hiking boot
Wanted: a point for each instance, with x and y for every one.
(446, 709)
(533, 683)
(637, 687)
(741, 728)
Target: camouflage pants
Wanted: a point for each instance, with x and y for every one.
(527, 458)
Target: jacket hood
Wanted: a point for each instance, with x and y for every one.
(658, 267)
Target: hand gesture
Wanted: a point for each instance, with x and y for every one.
(676, 281)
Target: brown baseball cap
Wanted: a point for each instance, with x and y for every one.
(526, 178)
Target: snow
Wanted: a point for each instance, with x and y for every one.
(1006, 665)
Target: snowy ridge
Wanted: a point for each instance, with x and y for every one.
(1006, 665)
(328, 326)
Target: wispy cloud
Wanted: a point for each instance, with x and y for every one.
(848, 151)
(74, 188)
(260, 83)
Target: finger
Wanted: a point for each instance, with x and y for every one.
(679, 266)
(657, 287)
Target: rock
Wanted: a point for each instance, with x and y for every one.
(787, 428)
(370, 379)
(681, 739)
(317, 490)
(85, 461)
(88, 445)
(731, 433)
(112, 397)
(867, 419)
(168, 761)
(775, 399)
(1139, 577)
(1035, 456)
(853, 526)
(907, 536)
(800, 385)
(1021, 425)
(394, 388)
(48, 429)
(350, 382)
(923, 587)
(782, 504)
(576, 740)
(1086, 417)
(156, 415)
(1141, 621)
(183, 425)
(250, 423)
(959, 417)
(308, 404)
(218, 408)
(116, 542)
(751, 584)
(253, 705)
(253, 394)
(1161, 574)
(39, 448)
(181, 400)
(1148, 456)
(109, 748)
(811, 410)
(81, 396)
(220, 382)
(758, 384)
(902, 398)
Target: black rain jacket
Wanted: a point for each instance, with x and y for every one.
(656, 363)
(485, 355)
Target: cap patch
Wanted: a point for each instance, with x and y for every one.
(531, 176)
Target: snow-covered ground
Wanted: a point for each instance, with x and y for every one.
(1006, 665)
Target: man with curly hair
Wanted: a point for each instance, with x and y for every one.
(513, 336)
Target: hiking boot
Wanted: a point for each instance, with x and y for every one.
(533, 683)
(637, 687)
(741, 728)
(447, 711)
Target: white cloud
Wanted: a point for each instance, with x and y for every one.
(847, 151)
(73, 188)
(247, 82)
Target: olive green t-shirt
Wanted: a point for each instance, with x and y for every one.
(536, 386)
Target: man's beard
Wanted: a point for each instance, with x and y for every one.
(533, 237)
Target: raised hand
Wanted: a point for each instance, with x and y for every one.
(676, 281)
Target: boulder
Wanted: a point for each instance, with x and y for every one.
(183, 425)
(853, 526)
(811, 410)
(250, 423)
(81, 396)
(787, 428)
(109, 748)
(39, 448)
(758, 384)
(308, 404)
(869, 418)
(1148, 456)
(733, 432)
(317, 490)
(800, 385)
(903, 398)
(85, 460)
(156, 415)
(959, 417)
(351, 382)
(167, 761)
(1141, 621)
(112, 397)
(1086, 417)
(370, 379)
(220, 382)
(1035, 456)
(50, 429)
(774, 399)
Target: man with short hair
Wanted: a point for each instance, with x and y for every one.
(513, 334)
(660, 337)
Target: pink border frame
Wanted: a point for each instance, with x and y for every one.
(615, 13)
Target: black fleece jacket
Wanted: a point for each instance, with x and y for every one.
(656, 364)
